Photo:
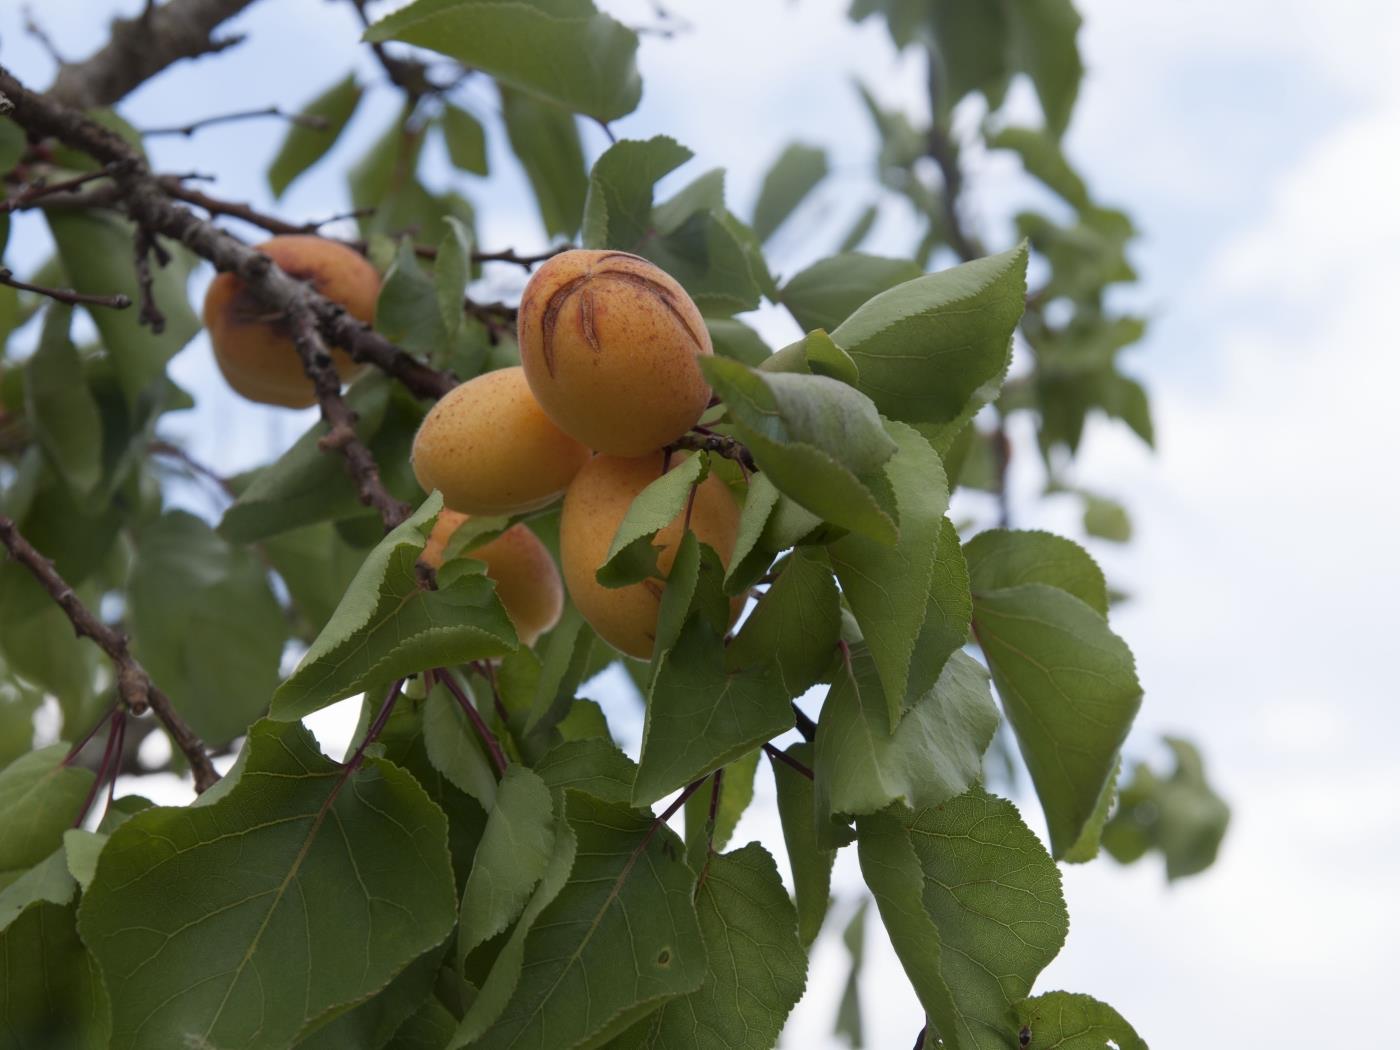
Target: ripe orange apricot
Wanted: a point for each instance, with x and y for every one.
(610, 345)
(256, 355)
(527, 580)
(594, 506)
(490, 449)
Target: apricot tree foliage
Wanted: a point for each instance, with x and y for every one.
(486, 867)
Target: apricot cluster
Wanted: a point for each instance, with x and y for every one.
(609, 374)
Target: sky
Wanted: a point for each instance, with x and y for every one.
(1257, 145)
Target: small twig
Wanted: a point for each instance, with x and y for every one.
(66, 295)
(483, 731)
(499, 318)
(134, 685)
(304, 120)
(529, 262)
(779, 755)
(166, 448)
(114, 723)
(144, 245)
(40, 188)
(689, 507)
(77, 749)
(408, 75)
(805, 725)
(34, 29)
(376, 727)
(484, 668)
(717, 444)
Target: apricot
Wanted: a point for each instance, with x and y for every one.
(594, 506)
(490, 449)
(257, 355)
(610, 345)
(527, 580)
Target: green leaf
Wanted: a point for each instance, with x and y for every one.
(430, 1028)
(999, 558)
(828, 292)
(910, 599)
(62, 412)
(452, 272)
(545, 140)
(205, 623)
(849, 1022)
(617, 213)
(757, 968)
(1067, 1021)
(817, 439)
(51, 993)
(454, 749)
(1070, 692)
(466, 140)
(95, 248)
(932, 351)
(1040, 154)
(1106, 519)
(811, 864)
(735, 794)
(735, 339)
(794, 175)
(561, 51)
(700, 716)
(49, 880)
(970, 39)
(860, 229)
(40, 797)
(512, 858)
(618, 939)
(318, 883)
(934, 754)
(814, 354)
(1179, 814)
(751, 557)
(81, 849)
(409, 309)
(317, 566)
(388, 626)
(303, 146)
(564, 660)
(1043, 39)
(794, 627)
(631, 556)
(973, 906)
(374, 1022)
(1086, 847)
(718, 259)
(594, 765)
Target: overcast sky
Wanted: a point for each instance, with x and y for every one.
(1257, 144)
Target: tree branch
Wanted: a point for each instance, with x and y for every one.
(778, 755)
(718, 444)
(134, 685)
(305, 120)
(146, 201)
(65, 295)
(39, 189)
(141, 47)
(483, 731)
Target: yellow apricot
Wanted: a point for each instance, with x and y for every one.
(490, 449)
(610, 345)
(257, 355)
(527, 580)
(594, 506)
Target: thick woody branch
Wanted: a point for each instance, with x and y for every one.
(65, 295)
(134, 685)
(143, 46)
(145, 200)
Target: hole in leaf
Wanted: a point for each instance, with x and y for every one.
(664, 958)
